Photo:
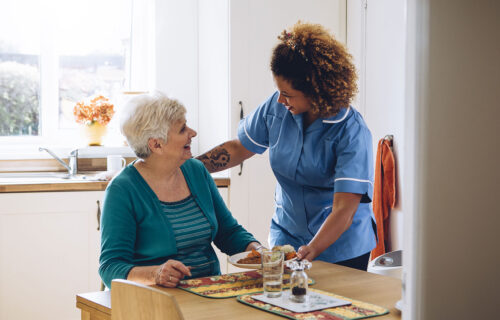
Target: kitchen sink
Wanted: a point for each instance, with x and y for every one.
(43, 177)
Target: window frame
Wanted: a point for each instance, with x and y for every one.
(140, 77)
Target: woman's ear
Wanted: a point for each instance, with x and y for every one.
(155, 145)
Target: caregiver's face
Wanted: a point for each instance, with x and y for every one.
(294, 100)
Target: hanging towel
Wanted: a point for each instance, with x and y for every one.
(384, 193)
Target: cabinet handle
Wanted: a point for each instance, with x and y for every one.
(241, 169)
(241, 109)
(241, 117)
(98, 215)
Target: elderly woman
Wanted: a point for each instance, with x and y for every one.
(162, 212)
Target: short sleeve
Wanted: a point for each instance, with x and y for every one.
(253, 132)
(354, 168)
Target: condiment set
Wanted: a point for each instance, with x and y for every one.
(298, 280)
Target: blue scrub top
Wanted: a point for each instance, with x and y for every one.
(332, 155)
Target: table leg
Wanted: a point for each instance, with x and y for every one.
(85, 315)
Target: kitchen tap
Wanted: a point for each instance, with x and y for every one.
(73, 160)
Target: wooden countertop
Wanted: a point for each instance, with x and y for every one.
(68, 185)
(368, 287)
(88, 165)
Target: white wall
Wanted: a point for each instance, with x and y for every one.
(376, 39)
(213, 62)
(177, 54)
(356, 42)
(192, 64)
(385, 86)
(455, 150)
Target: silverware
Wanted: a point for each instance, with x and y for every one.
(260, 248)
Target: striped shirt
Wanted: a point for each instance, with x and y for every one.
(192, 235)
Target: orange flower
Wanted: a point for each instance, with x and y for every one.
(99, 109)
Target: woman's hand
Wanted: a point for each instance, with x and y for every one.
(307, 252)
(170, 273)
(254, 245)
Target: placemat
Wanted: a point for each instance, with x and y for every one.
(229, 285)
(357, 310)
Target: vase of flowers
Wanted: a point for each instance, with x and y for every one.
(94, 115)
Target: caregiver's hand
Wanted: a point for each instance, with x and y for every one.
(170, 273)
(307, 252)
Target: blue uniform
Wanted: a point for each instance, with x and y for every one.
(332, 155)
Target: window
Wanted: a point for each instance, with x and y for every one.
(57, 52)
(19, 70)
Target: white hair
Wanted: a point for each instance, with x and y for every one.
(149, 116)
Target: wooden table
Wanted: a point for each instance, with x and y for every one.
(368, 287)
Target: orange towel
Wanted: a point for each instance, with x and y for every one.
(384, 194)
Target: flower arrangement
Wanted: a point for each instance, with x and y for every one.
(98, 110)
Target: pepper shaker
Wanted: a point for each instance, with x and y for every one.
(299, 280)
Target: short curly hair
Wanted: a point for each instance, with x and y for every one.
(316, 64)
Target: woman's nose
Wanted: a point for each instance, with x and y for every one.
(193, 133)
(281, 99)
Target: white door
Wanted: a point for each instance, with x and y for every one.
(254, 27)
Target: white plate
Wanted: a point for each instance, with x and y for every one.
(235, 257)
(234, 261)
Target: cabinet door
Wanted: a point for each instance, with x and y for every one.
(224, 192)
(49, 248)
(254, 27)
(225, 267)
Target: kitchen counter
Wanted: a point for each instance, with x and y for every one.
(89, 167)
(58, 185)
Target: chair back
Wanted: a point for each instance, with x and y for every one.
(134, 301)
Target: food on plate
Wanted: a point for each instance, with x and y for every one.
(288, 251)
(253, 256)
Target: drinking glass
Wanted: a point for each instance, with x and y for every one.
(272, 272)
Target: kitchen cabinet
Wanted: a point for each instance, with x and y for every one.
(224, 192)
(49, 251)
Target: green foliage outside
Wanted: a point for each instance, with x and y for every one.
(19, 99)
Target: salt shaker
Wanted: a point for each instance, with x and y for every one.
(299, 280)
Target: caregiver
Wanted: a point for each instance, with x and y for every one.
(320, 150)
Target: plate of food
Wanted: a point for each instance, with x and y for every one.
(252, 259)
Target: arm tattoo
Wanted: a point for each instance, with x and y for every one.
(216, 159)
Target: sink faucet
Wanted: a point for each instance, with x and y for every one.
(73, 160)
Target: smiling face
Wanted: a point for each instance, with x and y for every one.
(179, 140)
(295, 101)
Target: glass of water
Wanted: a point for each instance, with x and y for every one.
(272, 272)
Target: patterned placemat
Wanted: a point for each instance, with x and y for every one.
(229, 285)
(357, 310)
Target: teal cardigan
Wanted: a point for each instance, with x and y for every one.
(134, 231)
